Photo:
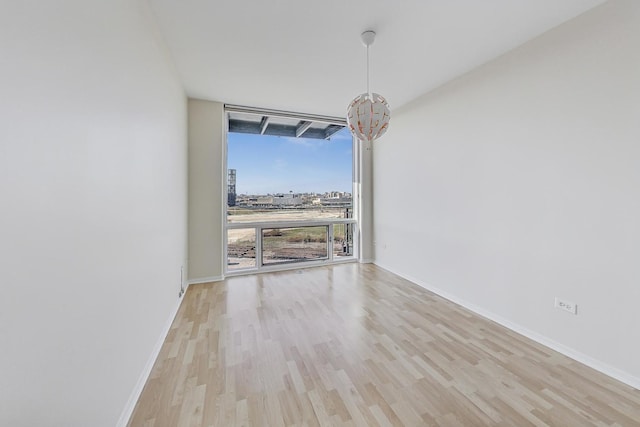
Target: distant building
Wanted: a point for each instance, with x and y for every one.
(231, 187)
(334, 198)
(279, 200)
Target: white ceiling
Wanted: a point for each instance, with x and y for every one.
(306, 55)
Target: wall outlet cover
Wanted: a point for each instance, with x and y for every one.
(565, 305)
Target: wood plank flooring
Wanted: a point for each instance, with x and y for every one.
(354, 345)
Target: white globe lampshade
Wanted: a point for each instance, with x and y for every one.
(368, 116)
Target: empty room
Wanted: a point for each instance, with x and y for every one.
(341, 213)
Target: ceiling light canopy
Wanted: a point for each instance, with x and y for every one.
(368, 114)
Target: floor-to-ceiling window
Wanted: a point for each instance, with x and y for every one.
(290, 190)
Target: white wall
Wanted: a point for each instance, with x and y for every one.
(520, 181)
(93, 163)
(206, 195)
(364, 201)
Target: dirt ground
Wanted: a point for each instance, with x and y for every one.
(244, 234)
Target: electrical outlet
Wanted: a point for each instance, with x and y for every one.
(565, 305)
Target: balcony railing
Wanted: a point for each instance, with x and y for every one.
(275, 245)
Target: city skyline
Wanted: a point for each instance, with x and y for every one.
(268, 164)
(305, 193)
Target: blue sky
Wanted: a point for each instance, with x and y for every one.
(272, 164)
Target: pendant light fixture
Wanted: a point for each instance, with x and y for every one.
(368, 114)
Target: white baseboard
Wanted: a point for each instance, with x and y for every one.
(144, 376)
(598, 365)
(367, 261)
(205, 280)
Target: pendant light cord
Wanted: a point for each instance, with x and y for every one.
(368, 91)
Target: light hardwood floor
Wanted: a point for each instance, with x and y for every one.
(354, 345)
